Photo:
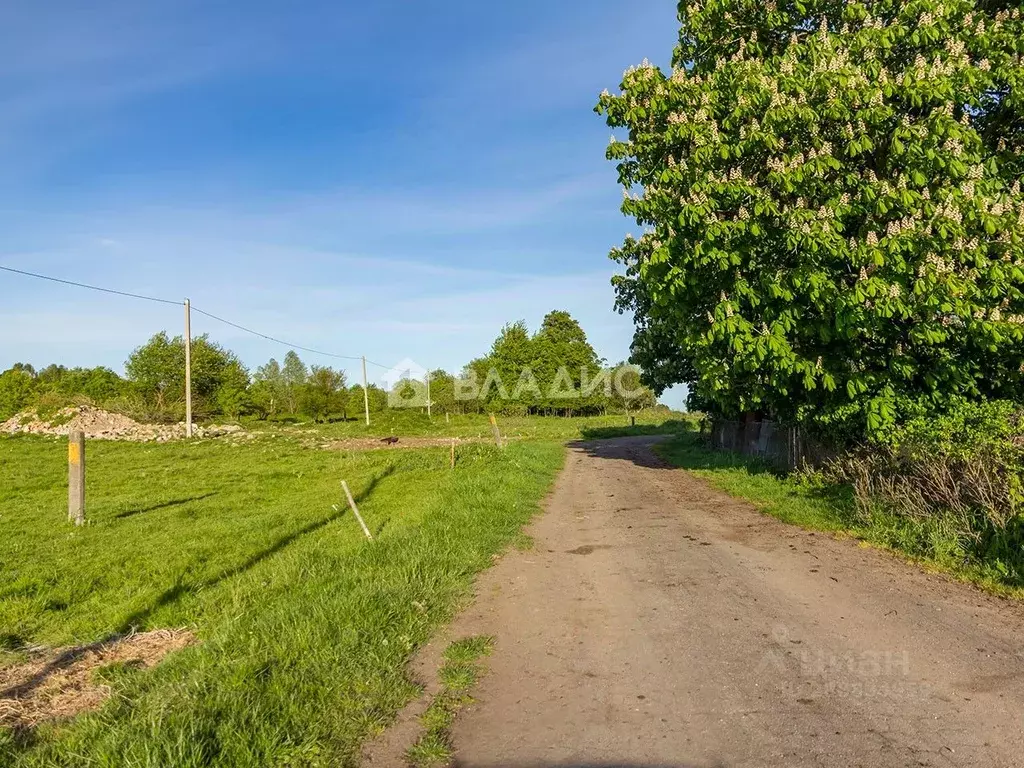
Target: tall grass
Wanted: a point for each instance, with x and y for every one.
(961, 475)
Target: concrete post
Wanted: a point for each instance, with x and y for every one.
(495, 431)
(76, 477)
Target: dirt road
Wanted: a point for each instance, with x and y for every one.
(659, 623)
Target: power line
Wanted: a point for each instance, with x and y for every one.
(179, 303)
(271, 338)
(90, 287)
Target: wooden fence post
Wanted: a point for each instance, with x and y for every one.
(495, 431)
(76, 477)
(355, 510)
(453, 453)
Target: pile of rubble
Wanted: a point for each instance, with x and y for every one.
(98, 424)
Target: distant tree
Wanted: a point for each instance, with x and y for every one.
(410, 392)
(378, 399)
(51, 375)
(57, 383)
(567, 365)
(16, 391)
(100, 384)
(628, 391)
(324, 393)
(156, 371)
(24, 368)
(96, 384)
(295, 376)
(512, 356)
(269, 390)
(467, 386)
(233, 396)
(554, 370)
(442, 391)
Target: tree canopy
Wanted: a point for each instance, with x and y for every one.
(156, 371)
(553, 371)
(831, 207)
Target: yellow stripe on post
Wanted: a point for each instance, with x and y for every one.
(76, 477)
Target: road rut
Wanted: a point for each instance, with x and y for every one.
(657, 622)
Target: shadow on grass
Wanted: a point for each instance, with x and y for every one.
(668, 427)
(63, 661)
(180, 589)
(11, 642)
(164, 505)
(681, 450)
(690, 451)
(173, 594)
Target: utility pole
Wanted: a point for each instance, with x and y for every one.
(188, 369)
(366, 394)
(428, 394)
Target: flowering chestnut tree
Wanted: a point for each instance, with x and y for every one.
(830, 197)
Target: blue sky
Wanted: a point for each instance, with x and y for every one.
(392, 179)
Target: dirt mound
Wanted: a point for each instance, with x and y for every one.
(98, 424)
(62, 682)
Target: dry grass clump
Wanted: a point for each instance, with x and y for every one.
(62, 682)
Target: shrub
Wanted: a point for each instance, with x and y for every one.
(962, 473)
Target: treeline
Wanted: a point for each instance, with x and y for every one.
(553, 371)
(153, 388)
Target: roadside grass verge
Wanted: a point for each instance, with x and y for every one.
(807, 501)
(304, 628)
(458, 675)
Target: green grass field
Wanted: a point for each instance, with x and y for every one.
(414, 423)
(807, 501)
(304, 627)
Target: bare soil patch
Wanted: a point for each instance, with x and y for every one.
(62, 682)
(382, 443)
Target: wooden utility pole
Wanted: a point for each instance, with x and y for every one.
(366, 391)
(76, 477)
(188, 369)
(428, 394)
